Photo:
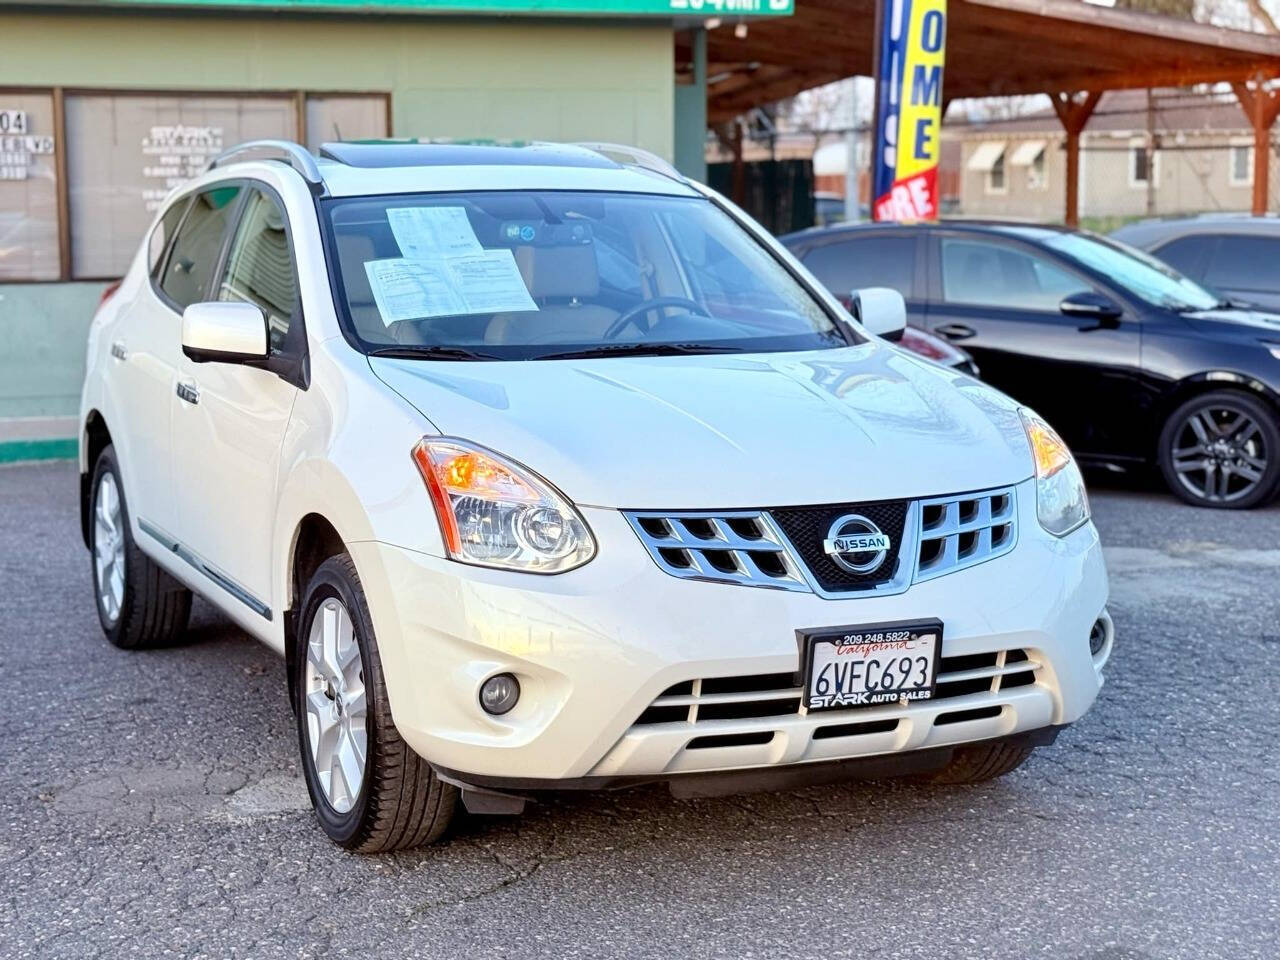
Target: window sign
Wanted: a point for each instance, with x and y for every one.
(28, 188)
(126, 152)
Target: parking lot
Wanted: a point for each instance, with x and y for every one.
(152, 802)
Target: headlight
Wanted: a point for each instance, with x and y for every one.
(495, 513)
(1061, 501)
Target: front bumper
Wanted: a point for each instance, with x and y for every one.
(594, 648)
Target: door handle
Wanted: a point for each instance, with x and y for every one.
(118, 351)
(955, 331)
(188, 391)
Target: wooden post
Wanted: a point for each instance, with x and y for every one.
(1074, 114)
(1261, 106)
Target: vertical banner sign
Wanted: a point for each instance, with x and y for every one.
(908, 109)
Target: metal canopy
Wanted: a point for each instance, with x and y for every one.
(994, 48)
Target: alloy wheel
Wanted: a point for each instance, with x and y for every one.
(336, 705)
(1220, 453)
(108, 547)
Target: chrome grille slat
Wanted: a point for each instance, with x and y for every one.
(744, 553)
(940, 546)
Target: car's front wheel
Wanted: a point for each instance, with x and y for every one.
(1221, 449)
(370, 791)
(139, 604)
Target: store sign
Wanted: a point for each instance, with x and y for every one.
(626, 8)
(909, 109)
(172, 155)
(18, 147)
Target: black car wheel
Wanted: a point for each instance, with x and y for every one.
(1221, 449)
(370, 791)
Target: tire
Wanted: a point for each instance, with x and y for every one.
(1201, 431)
(397, 800)
(139, 604)
(980, 762)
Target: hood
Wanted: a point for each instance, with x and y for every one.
(1235, 321)
(861, 423)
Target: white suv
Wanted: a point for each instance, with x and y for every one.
(548, 469)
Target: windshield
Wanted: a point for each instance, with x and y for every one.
(536, 275)
(1142, 275)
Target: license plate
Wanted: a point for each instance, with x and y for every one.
(865, 665)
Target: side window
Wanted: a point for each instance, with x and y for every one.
(848, 265)
(189, 271)
(1186, 255)
(162, 235)
(996, 275)
(1245, 263)
(260, 268)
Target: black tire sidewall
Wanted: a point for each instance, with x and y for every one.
(105, 464)
(330, 581)
(1263, 415)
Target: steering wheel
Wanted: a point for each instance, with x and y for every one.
(628, 317)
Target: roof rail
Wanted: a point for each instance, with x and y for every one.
(634, 157)
(291, 153)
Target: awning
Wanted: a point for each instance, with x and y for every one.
(1026, 153)
(985, 157)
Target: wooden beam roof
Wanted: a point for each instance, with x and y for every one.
(994, 48)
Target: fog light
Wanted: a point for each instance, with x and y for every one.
(499, 694)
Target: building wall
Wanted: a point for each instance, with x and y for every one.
(1192, 175)
(1019, 198)
(500, 78)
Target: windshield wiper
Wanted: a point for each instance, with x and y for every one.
(413, 351)
(639, 350)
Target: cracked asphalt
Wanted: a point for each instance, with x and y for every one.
(152, 804)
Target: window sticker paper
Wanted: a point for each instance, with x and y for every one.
(429, 233)
(413, 289)
(491, 283)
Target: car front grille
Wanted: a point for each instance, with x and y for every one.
(806, 528)
(760, 697)
(783, 547)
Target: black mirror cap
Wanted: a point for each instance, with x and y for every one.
(1096, 306)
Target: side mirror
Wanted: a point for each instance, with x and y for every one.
(881, 311)
(225, 332)
(1092, 306)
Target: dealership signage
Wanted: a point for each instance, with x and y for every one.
(909, 109)
(668, 8)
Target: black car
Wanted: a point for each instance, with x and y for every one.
(1131, 361)
(1230, 254)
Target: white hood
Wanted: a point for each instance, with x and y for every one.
(861, 423)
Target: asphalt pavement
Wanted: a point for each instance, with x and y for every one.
(152, 803)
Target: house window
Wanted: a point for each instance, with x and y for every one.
(1035, 173)
(1240, 169)
(995, 176)
(1143, 168)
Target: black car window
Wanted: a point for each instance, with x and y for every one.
(162, 235)
(1186, 255)
(1245, 263)
(847, 265)
(998, 275)
(260, 269)
(197, 245)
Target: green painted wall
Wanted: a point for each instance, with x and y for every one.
(558, 80)
(504, 78)
(42, 343)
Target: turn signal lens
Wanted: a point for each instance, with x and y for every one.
(1062, 504)
(495, 513)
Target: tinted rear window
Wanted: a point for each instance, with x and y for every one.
(847, 265)
(1246, 263)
